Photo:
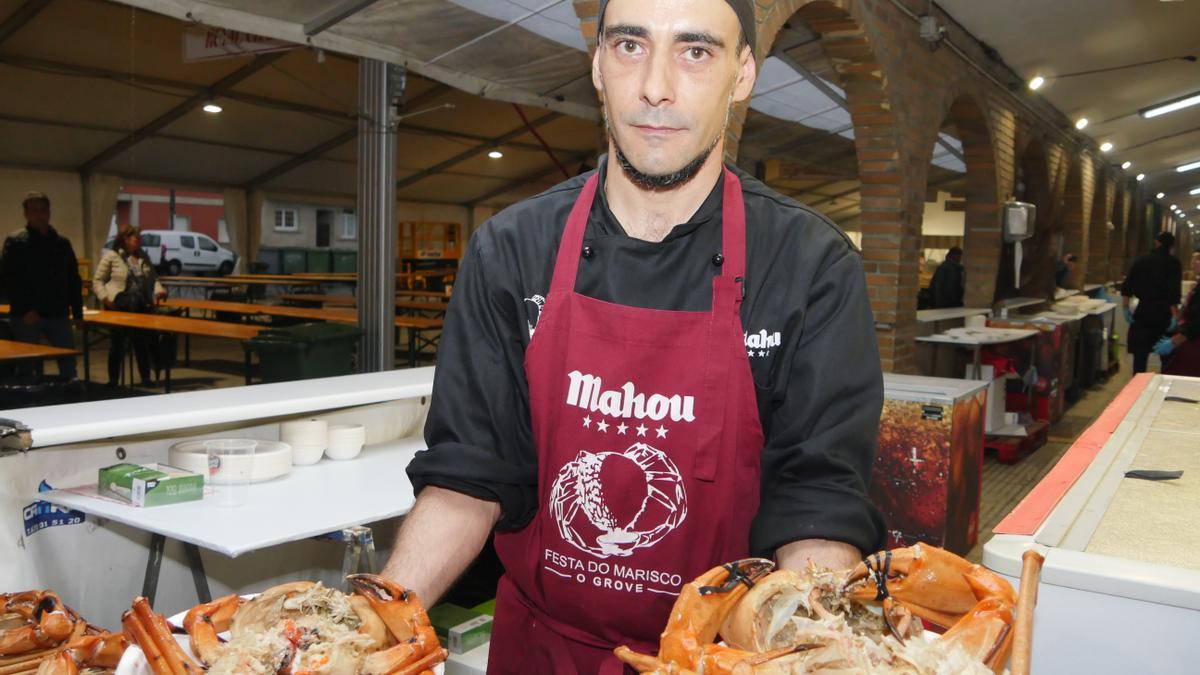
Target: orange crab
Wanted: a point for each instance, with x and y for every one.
(299, 628)
(789, 622)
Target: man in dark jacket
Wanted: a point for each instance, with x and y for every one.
(41, 279)
(1155, 279)
(949, 281)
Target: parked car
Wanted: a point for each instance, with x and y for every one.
(175, 251)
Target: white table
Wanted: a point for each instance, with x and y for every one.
(1060, 293)
(1004, 306)
(327, 497)
(976, 338)
(948, 313)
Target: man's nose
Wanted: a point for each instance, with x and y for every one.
(658, 85)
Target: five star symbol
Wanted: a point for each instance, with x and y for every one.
(661, 431)
(587, 421)
(621, 428)
(602, 427)
(641, 429)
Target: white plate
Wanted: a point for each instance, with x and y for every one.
(271, 459)
(133, 661)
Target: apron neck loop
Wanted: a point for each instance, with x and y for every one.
(733, 233)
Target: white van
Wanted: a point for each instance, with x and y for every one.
(176, 251)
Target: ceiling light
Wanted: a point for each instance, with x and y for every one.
(1160, 195)
(1081, 123)
(1171, 106)
(495, 154)
(1106, 147)
(1187, 167)
(212, 108)
(1195, 192)
(1037, 82)
(1173, 207)
(1126, 164)
(1141, 177)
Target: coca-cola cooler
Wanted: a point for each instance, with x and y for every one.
(929, 464)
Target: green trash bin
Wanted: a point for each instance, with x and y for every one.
(304, 351)
(293, 261)
(345, 261)
(320, 261)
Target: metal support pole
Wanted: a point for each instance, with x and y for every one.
(379, 87)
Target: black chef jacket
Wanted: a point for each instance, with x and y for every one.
(40, 273)
(1155, 279)
(819, 391)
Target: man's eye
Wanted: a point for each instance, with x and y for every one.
(697, 53)
(628, 46)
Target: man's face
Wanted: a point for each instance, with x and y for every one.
(669, 71)
(37, 213)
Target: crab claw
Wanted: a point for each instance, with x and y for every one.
(934, 584)
(406, 620)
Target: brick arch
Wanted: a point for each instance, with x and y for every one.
(1117, 251)
(1095, 269)
(1079, 201)
(982, 236)
(891, 235)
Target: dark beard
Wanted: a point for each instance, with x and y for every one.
(664, 181)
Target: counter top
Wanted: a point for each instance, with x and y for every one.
(79, 422)
(931, 315)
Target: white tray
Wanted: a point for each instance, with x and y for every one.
(271, 459)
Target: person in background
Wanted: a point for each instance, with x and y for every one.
(1180, 351)
(949, 281)
(125, 281)
(1155, 279)
(41, 279)
(1062, 271)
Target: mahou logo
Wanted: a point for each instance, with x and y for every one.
(587, 392)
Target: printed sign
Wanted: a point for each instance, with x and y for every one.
(208, 44)
(39, 515)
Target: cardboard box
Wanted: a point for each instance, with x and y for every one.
(460, 629)
(152, 485)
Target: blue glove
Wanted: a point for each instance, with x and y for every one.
(1164, 347)
(1128, 315)
(1173, 325)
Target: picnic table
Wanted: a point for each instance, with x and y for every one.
(12, 351)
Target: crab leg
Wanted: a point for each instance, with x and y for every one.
(1026, 601)
(136, 633)
(406, 620)
(50, 623)
(158, 632)
(204, 621)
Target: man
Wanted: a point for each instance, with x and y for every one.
(594, 403)
(1155, 279)
(949, 280)
(41, 280)
(1063, 269)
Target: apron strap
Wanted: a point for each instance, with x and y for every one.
(566, 266)
(733, 229)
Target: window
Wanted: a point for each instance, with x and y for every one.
(286, 220)
(150, 240)
(183, 223)
(187, 241)
(349, 225)
(207, 244)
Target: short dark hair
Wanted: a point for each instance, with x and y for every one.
(955, 253)
(1166, 239)
(746, 19)
(35, 196)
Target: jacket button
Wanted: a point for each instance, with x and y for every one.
(718, 260)
(587, 251)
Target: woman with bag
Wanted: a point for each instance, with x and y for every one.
(125, 281)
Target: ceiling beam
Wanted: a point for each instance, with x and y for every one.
(162, 121)
(337, 141)
(526, 179)
(243, 97)
(475, 150)
(335, 15)
(23, 15)
(780, 170)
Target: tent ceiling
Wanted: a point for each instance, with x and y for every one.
(1052, 39)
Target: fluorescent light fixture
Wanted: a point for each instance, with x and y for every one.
(495, 154)
(212, 108)
(1160, 195)
(1126, 164)
(1194, 192)
(1081, 123)
(1187, 167)
(1171, 106)
(1141, 177)
(1173, 207)
(1037, 82)
(1106, 147)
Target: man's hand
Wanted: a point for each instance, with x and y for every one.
(834, 555)
(439, 538)
(31, 318)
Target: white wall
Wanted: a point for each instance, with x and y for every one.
(940, 222)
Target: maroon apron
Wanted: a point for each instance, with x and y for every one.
(648, 445)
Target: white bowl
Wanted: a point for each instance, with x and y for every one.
(304, 455)
(345, 441)
(304, 432)
(271, 459)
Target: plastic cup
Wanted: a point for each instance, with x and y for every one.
(230, 466)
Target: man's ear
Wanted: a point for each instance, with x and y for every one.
(597, 79)
(747, 75)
